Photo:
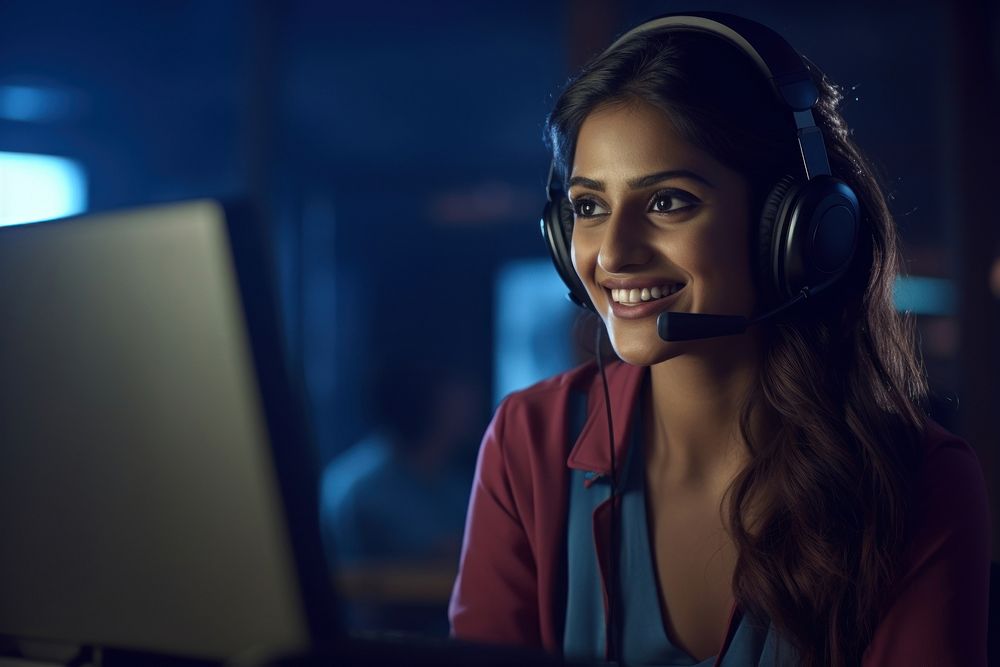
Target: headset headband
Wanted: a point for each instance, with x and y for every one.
(775, 58)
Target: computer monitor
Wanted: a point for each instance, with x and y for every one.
(157, 488)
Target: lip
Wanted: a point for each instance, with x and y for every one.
(636, 283)
(645, 309)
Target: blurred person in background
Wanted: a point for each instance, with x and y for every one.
(393, 504)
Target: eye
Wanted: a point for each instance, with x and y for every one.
(584, 207)
(665, 201)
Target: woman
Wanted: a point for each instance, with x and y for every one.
(779, 495)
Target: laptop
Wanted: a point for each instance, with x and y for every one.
(157, 486)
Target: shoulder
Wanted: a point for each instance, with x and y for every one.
(938, 611)
(540, 414)
(526, 444)
(553, 389)
(528, 411)
(951, 495)
(558, 390)
(949, 521)
(530, 423)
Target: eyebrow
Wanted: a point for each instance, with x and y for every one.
(642, 181)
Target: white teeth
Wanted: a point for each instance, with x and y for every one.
(634, 296)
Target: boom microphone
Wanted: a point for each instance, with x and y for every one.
(694, 326)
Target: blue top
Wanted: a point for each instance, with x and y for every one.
(644, 640)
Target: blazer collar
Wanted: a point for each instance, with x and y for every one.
(591, 452)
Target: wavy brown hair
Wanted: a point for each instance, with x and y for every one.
(841, 380)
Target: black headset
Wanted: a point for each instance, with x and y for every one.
(808, 227)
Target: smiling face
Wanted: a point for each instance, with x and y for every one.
(659, 225)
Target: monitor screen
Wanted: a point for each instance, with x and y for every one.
(153, 476)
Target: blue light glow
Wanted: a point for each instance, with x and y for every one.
(35, 103)
(925, 296)
(39, 187)
(533, 325)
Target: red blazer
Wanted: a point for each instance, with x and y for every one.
(509, 588)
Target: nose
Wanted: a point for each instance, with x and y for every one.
(624, 244)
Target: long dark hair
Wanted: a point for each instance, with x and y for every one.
(831, 492)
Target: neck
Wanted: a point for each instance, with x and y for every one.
(693, 405)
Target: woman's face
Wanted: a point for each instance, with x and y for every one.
(659, 225)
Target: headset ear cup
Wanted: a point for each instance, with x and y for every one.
(578, 293)
(566, 224)
(557, 228)
(771, 289)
